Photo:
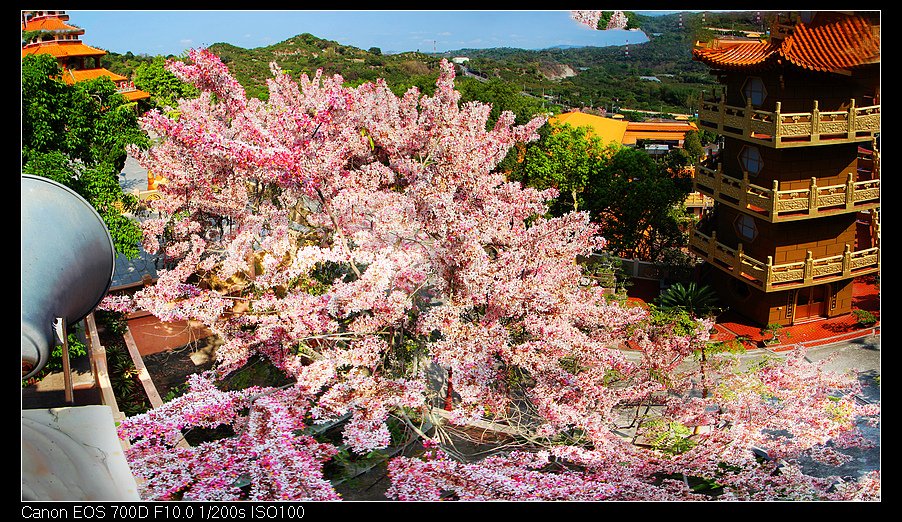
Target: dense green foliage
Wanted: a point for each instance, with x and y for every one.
(692, 144)
(502, 96)
(696, 300)
(638, 200)
(77, 135)
(609, 77)
(568, 159)
(164, 87)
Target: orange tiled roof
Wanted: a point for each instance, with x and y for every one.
(61, 50)
(624, 132)
(606, 128)
(50, 24)
(736, 55)
(840, 44)
(659, 126)
(663, 130)
(135, 95)
(843, 44)
(71, 76)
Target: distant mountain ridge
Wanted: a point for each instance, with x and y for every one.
(572, 76)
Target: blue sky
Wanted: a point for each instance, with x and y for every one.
(173, 32)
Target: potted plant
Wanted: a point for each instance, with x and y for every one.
(773, 334)
(865, 319)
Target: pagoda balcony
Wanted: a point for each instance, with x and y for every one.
(775, 205)
(768, 277)
(796, 129)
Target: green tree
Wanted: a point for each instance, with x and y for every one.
(692, 144)
(568, 159)
(164, 86)
(77, 135)
(502, 96)
(638, 200)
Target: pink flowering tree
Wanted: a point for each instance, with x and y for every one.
(361, 242)
(612, 19)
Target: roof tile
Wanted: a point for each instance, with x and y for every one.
(737, 55)
(50, 24)
(842, 43)
(846, 43)
(62, 49)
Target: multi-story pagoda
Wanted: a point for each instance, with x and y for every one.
(797, 182)
(53, 35)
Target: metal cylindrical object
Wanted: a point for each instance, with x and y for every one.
(68, 261)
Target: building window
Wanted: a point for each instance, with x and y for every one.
(751, 161)
(754, 90)
(745, 227)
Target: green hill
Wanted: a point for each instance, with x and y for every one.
(658, 75)
(305, 53)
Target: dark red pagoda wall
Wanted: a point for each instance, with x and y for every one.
(748, 301)
(789, 242)
(765, 308)
(794, 167)
(796, 89)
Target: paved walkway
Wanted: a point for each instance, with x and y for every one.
(131, 271)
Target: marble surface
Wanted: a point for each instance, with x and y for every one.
(74, 454)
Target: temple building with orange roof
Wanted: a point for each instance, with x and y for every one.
(655, 137)
(660, 132)
(52, 34)
(796, 183)
(630, 133)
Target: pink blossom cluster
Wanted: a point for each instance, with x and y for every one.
(618, 19)
(264, 460)
(588, 18)
(518, 476)
(368, 235)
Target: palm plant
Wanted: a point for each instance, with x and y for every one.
(696, 300)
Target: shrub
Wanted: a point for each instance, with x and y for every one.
(865, 318)
(696, 300)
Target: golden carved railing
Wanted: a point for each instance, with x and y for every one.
(767, 276)
(778, 129)
(777, 205)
